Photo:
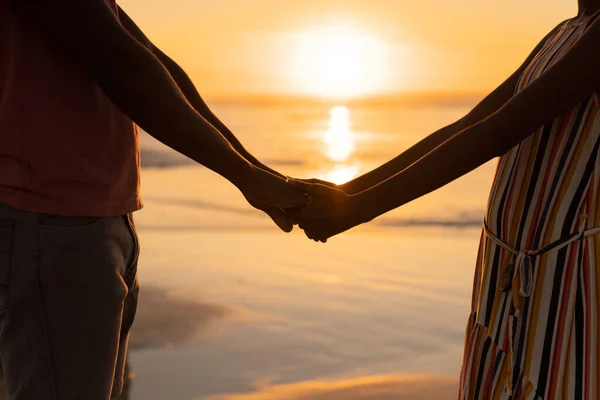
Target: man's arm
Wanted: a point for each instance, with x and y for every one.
(568, 82)
(188, 89)
(193, 97)
(136, 82)
(486, 107)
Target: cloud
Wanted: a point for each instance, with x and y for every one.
(393, 387)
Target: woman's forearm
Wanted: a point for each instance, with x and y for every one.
(446, 163)
(402, 161)
(554, 93)
(490, 104)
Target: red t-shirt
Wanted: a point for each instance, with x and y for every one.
(64, 147)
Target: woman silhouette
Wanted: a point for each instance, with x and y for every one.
(533, 330)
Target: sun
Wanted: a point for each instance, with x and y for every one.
(339, 62)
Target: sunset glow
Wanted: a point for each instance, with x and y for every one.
(347, 49)
(339, 63)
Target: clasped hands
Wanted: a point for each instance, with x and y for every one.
(322, 209)
(328, 210)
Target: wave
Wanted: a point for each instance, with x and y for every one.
(431, 222)
(462, 220)
(163, 159)
(202, 204)
(152, 158)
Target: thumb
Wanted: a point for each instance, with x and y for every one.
(309, 188)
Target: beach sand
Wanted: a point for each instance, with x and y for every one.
(368, 388)
(233, 309)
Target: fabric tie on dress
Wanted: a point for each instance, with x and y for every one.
(518, 273)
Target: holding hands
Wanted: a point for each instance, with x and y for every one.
(328, 211)
(322, 209)
(271, 194)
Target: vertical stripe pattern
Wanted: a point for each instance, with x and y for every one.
(545, 345)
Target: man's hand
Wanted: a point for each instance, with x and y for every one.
(278, 215)
(284, 217)
(328, 212)
(271, 194)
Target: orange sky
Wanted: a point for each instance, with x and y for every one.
(347, 47)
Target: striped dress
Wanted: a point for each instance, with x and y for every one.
(534, 328)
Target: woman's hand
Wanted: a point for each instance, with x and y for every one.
(328, 212)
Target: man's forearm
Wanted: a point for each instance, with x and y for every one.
(144, 90)
(185, 85)
(191, 93)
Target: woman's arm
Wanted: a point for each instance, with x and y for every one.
(485, 108)
(563, 86)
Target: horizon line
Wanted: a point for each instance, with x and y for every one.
(440, 96)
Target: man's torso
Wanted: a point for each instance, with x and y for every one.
(65, 148)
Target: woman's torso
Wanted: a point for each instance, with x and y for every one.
(547, 183)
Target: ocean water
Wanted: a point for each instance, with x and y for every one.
(338, 142)
(234, 309)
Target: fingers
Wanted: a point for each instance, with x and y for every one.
(310, 188)
(308, 235)
(319, 182)
(271, 190)
(286, 219)
(294, 214)
(313, 232)
(291, 198)
(313, 237)
(280, 218)
(312, 180)
(310, 219)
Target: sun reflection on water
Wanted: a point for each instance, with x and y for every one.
(342, 173)
(340, 145)
(338, 139)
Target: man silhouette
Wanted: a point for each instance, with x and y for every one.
(74, 74)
